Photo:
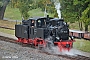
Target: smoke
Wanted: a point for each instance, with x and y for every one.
(45, 13)
(50, 48)
(71, 52)
(57, 6)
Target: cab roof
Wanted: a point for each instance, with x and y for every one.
(36, 18)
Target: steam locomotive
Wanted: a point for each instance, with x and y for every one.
(36, 30)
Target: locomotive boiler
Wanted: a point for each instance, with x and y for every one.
(35, 31)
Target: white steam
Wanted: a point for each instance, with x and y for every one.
(57, 6)
(50, 48)
(45, 13)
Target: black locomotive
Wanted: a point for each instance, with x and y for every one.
(36, 30)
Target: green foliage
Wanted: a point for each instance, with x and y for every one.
(68, 11)
(48, 4)
(76, 10)
(86, 17)
(14, 13)
(85, 13)
(1, 3)
(23, 6)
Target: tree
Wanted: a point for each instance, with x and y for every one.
(68, 11)
(79, 9)
(84, 12)
(23, 6)
(3, 5)
(44, 4)
(76, 10)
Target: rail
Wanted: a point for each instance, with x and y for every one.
(7, 28)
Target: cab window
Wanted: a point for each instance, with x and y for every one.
(39, 23)
(32, 23)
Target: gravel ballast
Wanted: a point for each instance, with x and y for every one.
(11, 51)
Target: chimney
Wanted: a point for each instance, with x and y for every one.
(47, 16)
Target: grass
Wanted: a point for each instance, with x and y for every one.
(12, 13)
(82, 44)
(12, 32)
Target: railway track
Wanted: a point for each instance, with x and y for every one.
(77, 57)
(7, 28)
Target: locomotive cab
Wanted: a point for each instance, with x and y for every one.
(38, 27)
(38, 22)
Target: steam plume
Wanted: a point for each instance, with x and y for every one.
(57, 6)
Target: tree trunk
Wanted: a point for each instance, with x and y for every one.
(81, 28)
(79, 25)
(86, 27)
(3, 8)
